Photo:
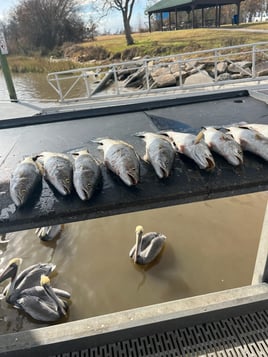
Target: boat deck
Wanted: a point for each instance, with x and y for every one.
(227, 323)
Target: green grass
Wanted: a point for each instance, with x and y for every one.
(151, 44)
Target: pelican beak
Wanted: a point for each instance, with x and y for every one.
(9, 272)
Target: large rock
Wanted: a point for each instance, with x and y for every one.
(198, 78)
(261, 69)
(161, 71)
(238, 67)
(221, 67)
(165, 80)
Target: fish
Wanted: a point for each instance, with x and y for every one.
(224, 145)
(250, 140)
(159, 152)
(86, 174)
(260, 128)
(58, 170)
(24, 180)
(194, 147)
(122, 159)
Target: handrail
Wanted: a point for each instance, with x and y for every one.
(86, 83)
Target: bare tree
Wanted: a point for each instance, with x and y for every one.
(126, 9)
(45, 24)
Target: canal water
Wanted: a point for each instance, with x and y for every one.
(211, 246)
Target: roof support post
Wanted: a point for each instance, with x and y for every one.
(219, 23)
(193, 16)
(161, 19)
(176, 19)
(203, 18)
(149, 22)
(238, 12)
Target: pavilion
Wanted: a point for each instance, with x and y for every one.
(168, 7)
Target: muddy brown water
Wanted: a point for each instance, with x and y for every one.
(211, 246)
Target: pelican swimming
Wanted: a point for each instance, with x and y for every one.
(28, 278)
(147, 246)
(42, 303)
(49, 232)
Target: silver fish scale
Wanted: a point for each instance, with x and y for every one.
(162, 151)
(86, 175)
(24, 179)
(241, 336)
(59, 167)
(121, 157)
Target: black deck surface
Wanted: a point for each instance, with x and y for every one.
(187, 182)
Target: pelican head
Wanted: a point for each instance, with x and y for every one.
(44, 280)
(60, 307)
(139, 229)
(11, 269)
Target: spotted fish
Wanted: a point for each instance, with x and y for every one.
(194, 147)
(260, 128)
(121, 158)
(224, 145)
(86, 174)
(24, 180)
(58, 170)
(159, 152)
(250, 140)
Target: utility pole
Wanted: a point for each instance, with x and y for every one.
(5, 68)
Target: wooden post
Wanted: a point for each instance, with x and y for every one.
(5, 69)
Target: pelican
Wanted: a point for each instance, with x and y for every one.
(49, 233)
(28, 278)
(42, 303)
(147, 246)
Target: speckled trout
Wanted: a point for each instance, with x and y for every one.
(58, 170)
(224, 145)
(250, 140)
(23, 181)
(121, 158)
(160, 152)
(194, 147)
(86, 174)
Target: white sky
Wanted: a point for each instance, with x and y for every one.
(112, 23)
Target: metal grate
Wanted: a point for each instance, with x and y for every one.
(245, 335)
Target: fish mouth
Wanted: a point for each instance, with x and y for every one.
(134, 180)
(164, 172)
(210, 163)
(85, 194)
(239, 160)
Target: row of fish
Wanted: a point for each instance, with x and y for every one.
(31, 291)
(122, 159)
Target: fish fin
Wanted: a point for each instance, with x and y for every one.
(98, 140)
(259, 136)
(140, 134)
(199, 137)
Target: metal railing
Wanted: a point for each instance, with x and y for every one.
(162, 74)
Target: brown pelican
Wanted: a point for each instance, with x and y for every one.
(42, 303)
(147, 246)
(28, 278)
(49, 232)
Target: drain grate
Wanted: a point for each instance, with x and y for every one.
(245, 335)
